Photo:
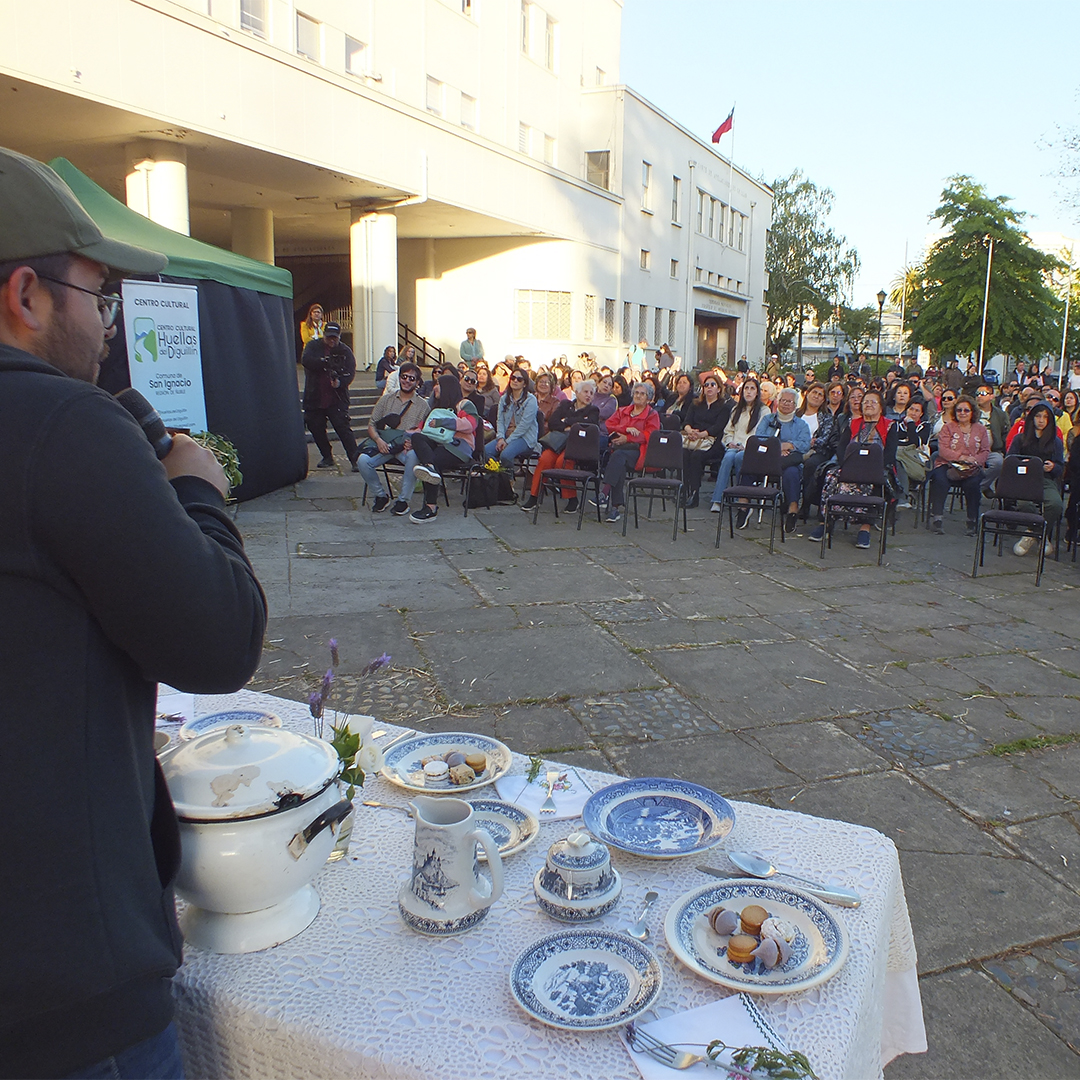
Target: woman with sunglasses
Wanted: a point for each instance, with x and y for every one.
(963, 447)
(702, 445)
(516, 429)
(948, 404)
(1039, 438)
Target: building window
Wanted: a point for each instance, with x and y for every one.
(355, 57)
(549, 150)
(701, 197)
(551, 33)
(676, 199)
(646, 180)
(646, 259)
(711, 223)
(601, 77)
(674, 267)
(598, 168)
(524, 138)
(590, 317)
(609, 320)
(723, 218)
(697, 273)
(658, 326)
(643, 322)
(731, 227)
(307, 37)
(526, 13)
(253, 17)
(742, 222)
(435, 96)
(626, 312)
(670, 326)
(468, 112)
(543, 314)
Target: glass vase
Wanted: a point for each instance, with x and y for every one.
(344, 835)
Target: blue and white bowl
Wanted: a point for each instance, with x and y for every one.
(224, 719)
(577, 882)
(586, 980)
(657, 818)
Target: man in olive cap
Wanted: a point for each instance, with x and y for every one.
(116, 570)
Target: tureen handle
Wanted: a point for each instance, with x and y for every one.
(299, 843)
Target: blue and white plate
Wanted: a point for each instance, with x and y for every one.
(511, 827)
(586, 980)
(658, 819)
(817, 953)
(404, 761)
(224, 719)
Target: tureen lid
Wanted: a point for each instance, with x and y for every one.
(578, 851)
(241, 771)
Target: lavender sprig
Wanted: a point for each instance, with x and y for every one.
(318, 698)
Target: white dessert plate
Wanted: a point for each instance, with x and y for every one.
(512, 828)
(223, 719)
(817, 953)
(586, 980)
(404, 768)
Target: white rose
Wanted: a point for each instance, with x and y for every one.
(361, 725)
(370, 759)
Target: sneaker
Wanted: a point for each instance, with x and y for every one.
(380, 504)
(903, 504)
(400, 508)
(614, 515)
(937, 527)
(426, 475)
(715, 508)
(742, 518)
(972, 528)
(791, 523)
(571, 506)
(356, 466)
(1023, 545)
(425, 513)
(326, 463)
(602, 502)
(529, 503)
(818, 534)
(862, 540)
(1049, 550)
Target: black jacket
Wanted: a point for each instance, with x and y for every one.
(322, 366)
(111, 579)
(566, 414)
(711, 418)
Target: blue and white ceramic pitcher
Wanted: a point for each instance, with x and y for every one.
(446, 893)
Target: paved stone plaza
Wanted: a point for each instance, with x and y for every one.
(835, 687)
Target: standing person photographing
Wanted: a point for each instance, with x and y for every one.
(117, 570)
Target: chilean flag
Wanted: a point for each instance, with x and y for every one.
(725, 127)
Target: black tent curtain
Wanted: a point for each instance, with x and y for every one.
(249, 379)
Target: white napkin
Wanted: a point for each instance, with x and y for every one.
(569, 792)
(736, 1020)
(174, 704)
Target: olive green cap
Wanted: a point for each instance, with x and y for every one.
(39, 215)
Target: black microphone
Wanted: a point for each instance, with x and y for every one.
(148, 419)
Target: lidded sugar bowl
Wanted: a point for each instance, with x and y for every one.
(577, 882)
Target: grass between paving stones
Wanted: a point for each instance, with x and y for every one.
(1034, 742)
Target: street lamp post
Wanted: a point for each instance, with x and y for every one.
(986, 300)
(880, 305)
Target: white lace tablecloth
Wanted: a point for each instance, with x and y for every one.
(358, 994)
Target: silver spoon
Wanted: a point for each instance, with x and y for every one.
(639, 930)
(759, 868)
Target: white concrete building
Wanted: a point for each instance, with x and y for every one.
(430, 163)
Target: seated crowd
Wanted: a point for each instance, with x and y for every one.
(938, 432)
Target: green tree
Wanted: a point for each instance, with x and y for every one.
(906, 291)
(859, 326)
(1023, 311)
(809, 268)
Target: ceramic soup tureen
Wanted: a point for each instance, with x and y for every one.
(258, 809)
(577, 883)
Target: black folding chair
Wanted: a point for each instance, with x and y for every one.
(663, 455)
(671, 422)
(583, 448)
(864, 463)
(760, 463)
(1021, 480)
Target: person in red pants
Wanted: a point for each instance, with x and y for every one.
(566, 414)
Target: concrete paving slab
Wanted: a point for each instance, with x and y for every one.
(992, 719)
(551, 615)
(1052, 843)
(932, 643)
(977, 1031)
(895, 804)
(725, 763)
(668, 633)
(1005, 904)
(1059, 766)
(1018, 634)
(817, 750)
(1058, 715)
(1018, 674)
(502, 669)
(540, 729)
(361, 637)
(996, 789)
(648, 715)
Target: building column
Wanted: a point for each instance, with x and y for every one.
(157, 183)
(373, 267)
(253, 233)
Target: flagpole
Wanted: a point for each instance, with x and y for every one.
(903, 304)
(731, 166)
(986, 301)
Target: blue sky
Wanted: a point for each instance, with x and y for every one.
(878, 101)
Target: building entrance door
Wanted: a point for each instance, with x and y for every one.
(716, 337)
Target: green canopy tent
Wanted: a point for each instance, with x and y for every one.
(245, 326)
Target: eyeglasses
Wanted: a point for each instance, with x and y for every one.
(469, 380)
(945, 399)
(961, 409)
(985, 393)
(517, 378)
(715, 386)
(407, 377)
(108, 303)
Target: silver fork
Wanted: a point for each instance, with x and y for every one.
(548, 805)
(645, 1043)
